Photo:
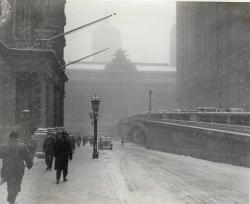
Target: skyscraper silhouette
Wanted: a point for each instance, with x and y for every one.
(105, 36)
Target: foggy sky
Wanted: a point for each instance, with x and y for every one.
(144, 27)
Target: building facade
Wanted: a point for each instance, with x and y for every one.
(213, 52)
(34, 21)
(32, 76)
(30, 80)
(122, 93)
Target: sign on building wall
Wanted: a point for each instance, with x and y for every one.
(45, 33)
(39, 41)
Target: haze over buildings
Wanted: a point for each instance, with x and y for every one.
(132, 27)
(172, 47)
(106, 36)
(213, 55)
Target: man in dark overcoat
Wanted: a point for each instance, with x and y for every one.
(48, 149)
(63, 153)
(15, 156)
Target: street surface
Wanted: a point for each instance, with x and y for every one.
(135, 175)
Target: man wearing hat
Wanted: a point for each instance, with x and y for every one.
(48, 149)
(63, 153)
(15, 156)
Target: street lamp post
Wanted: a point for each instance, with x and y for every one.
(150, 100)
(95, 106)
(123, 124)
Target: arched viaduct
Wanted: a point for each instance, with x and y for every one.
(214, 142)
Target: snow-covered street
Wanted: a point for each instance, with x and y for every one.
(135, 175)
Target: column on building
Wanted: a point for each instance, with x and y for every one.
(50, 103)
(10, 96)
(43, 100)
(58, 106)
(28, 94)
(62, 104)
(7, 98)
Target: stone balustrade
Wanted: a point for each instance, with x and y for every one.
(209, 141)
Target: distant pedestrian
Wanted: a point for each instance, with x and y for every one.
(63, 153)
(48, 150)
(91, 141)
(72, 142)
(78, 140)
(15, 156)
(84, 141)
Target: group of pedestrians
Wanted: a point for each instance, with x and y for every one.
(62, 149)
(17, 155)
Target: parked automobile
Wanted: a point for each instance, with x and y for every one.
(207, 109)
(105, 143)
(234, 110)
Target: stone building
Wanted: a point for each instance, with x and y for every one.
(31, 80)
(122, 93)
(33, 21)
(31, 73)
(213, 52)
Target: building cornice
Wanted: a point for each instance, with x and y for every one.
(33, 53)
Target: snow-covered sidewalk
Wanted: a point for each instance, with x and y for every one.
(86, 183)
(134, 175)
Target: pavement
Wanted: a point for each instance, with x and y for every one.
(135, 175)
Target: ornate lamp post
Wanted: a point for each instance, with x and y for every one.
(95, 106)
(150, 101)
(26, 115)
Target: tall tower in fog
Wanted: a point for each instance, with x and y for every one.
(106, 36)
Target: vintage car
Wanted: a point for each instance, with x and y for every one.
(105, 143)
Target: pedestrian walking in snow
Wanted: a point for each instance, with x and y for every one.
(15, 156)
(48, 150)
(84, 141)
(63, 153)
(78, 140)
(91, 141)
(72, 140)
